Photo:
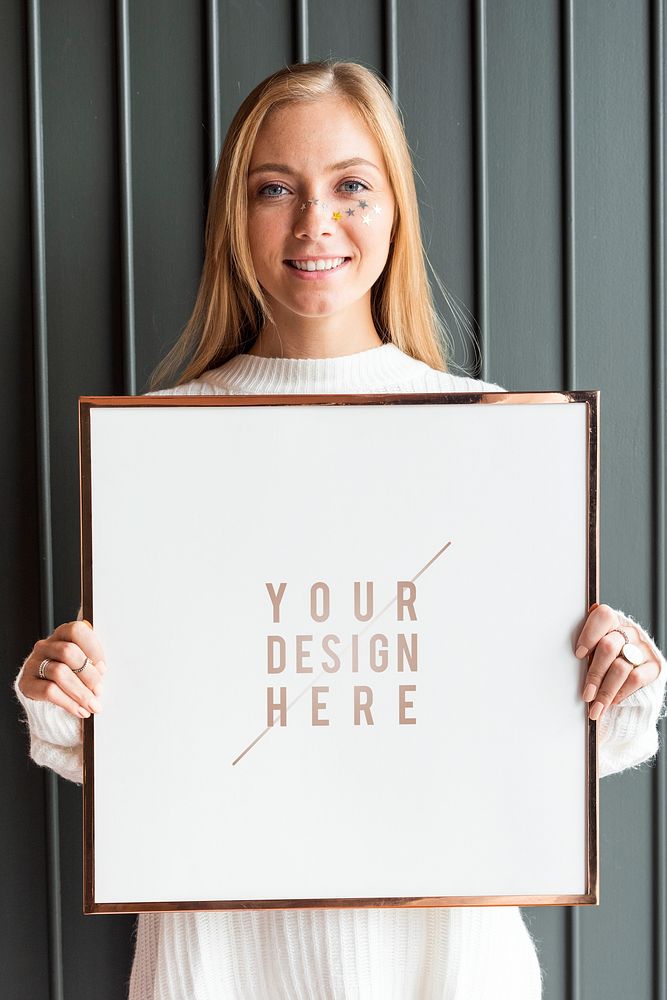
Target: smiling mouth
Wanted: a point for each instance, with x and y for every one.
(319, 264)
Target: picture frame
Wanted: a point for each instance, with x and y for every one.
(234, 545)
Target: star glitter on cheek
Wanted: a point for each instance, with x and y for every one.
(366, 219)
(362, 204)
(336, 216)
(377, 209)
(350, 211)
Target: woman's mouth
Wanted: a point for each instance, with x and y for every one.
(316, 266)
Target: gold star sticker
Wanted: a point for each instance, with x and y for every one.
(366, 219)
(336, 216)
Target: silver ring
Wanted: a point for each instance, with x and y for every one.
(631, 653)
(41, 673)
(79, 669)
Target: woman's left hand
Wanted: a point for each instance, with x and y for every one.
(611, 678)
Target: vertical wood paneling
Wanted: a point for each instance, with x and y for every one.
(569, 270)
(659, 455)
(255, 40)
(214, 110)
(126, 213)
(84, 313)
(391, 47)
(438, 122)
(348, 30)
(567, 103)
(23, 876)
(537, 130)
(301, 30)
(613, 307)
(170, 159)
(481, 179)
(524, 193)
(38, 227)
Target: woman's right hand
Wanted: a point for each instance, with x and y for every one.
(66, 650)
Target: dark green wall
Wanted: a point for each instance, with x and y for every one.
(537, 132)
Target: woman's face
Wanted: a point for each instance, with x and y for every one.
(320, 211)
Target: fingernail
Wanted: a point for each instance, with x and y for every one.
(99, 688)
(580, 652)
(597, 710)
(590, 692)
(101, 667)
(94, 705)
(86, 622)
(84, 714)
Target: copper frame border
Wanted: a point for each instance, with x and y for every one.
(592, 400)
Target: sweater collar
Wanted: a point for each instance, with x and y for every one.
(376, 367)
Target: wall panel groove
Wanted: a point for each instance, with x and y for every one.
(659, 323)
(40, 333)
(301, 30)
(214, 113)
(390, 60)
(124, 76)
(481, 182)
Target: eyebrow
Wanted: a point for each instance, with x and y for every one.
(283, 168)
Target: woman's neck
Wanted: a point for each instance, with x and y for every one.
(317, 337)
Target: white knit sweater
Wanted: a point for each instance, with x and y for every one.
(471, 953)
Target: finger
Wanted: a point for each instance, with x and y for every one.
(83, 636)
(62, 675)
(58, 675)
(38, 690)
(614, 678)
(72, 656)
(639, 678)
(606, 651)
(600, 620)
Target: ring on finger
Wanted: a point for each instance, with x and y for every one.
(631, 653)
(41, 673)
(78, 670)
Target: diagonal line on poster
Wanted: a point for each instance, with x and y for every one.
(344, 650)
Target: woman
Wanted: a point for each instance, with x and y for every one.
(314, 282)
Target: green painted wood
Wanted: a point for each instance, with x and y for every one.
(524, 193)
(23, 868)
(436, 107)
(569, 121)
(612, 142)
(169, 166)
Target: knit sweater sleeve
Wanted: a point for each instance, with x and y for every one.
(628, 733)
(56, 737)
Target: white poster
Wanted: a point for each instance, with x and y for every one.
(340, 651)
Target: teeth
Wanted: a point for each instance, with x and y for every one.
(317, 265)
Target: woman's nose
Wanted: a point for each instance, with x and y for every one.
(313, 219)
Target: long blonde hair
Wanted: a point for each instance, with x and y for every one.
(230, 309)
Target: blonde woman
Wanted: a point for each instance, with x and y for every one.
(314, 281)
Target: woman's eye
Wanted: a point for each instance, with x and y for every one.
(272, 190)
(357, 186)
